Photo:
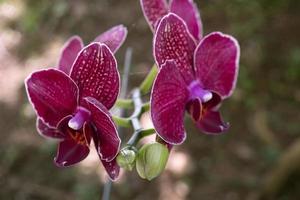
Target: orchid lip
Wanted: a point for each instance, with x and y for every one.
(81, 116)
(197, 91)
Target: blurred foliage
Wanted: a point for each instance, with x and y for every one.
(231, 166)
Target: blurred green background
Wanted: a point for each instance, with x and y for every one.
(259, 158)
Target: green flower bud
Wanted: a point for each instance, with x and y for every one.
(126, 158)
(151, 160)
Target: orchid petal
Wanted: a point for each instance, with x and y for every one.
(212, 123)
(96, 74)
(188, 11)
(217, 62)
(47, 131)
(173, 42)
(168, 100)
(112, 168)
(75, 147)
(108, 141)
(214, 102)
(113, 37)
(194, 107)
(53, 95)
(153, 11)
(69, 53)
(69, 152)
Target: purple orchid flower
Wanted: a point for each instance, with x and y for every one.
(113, 38)
(74, 108)
(154, 10)
(192, 77)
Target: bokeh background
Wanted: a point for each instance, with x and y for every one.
(259, 158)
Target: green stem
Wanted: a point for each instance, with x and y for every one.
(146, 132)
(139, 108)
(120, 121)
(146, 85)
(124, 103)
(139, 134)
(133, 121)
(146, 107)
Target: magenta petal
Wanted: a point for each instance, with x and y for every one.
(172, 41)
(168, 99)
(194, 107)
(69, 53)
(69, 152)
(217, 62)
(75, 147)
(53, 95)
(47, 131)
(214, 102)
(113, 38)
(212, 123)
(96, 74)
(112, 168)
(153, 11)
(107, 139)
(188, 11)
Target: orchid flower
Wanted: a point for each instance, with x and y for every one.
(154, 10)
(113, 38)
(193, 77)
(74, 108)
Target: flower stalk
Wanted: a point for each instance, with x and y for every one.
(146, 85)
(123, 122)
(125, 103)
(138, 135)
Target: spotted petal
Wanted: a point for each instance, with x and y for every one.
(46, 131)
(217, 62)
(168, 101)
(96, 74)
(153, 11)
(173, 42)
(113, 37)
(212, 123)
(69, 53)
(108, 144)
(188, 11)
(53, 95)
(112, 168)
